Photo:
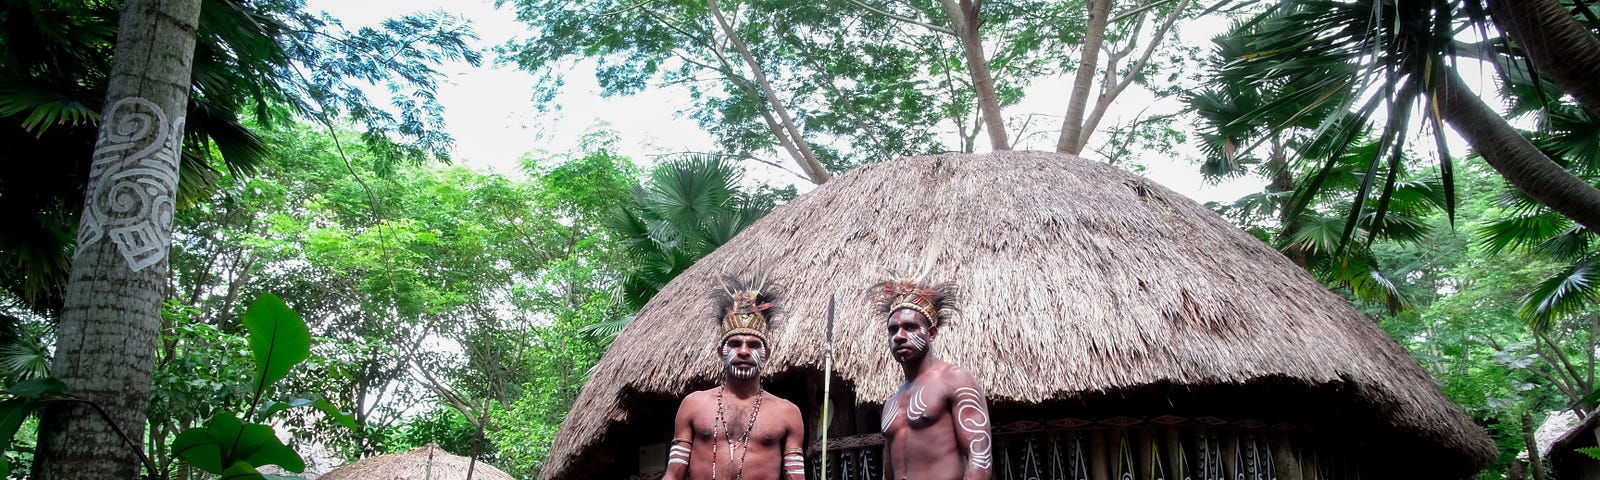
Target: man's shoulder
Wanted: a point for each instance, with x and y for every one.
(785, 409)
(783, 404)
(699, 396)
(955, 376)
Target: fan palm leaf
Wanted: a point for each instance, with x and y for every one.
(1568, 293)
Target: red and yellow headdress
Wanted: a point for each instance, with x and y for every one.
(932, 301)
(745, 306)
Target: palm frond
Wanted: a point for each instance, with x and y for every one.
(42, 107)
(1521, 231)
(1570, 292)
(607, 330)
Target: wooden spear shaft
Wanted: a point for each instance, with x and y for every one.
(827, 394)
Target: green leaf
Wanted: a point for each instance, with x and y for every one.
(12, 413)
(344, 417)
(259, 445)
(278, 338)
(1592, 452)
(225, 440)
(196, 447)
(37, 387)
(241, 471)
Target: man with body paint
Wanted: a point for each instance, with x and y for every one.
(936, 426)
(737, 431)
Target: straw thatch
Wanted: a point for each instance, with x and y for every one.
(425, 463)
(1078, 279)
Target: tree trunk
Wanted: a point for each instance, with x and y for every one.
(1535, 464)
(1088, 60)
(1562, 49)
(1283, 186)
(964, 19)
(108, 327)
(807, 159)
(1513, 156)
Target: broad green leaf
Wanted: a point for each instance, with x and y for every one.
(225, 440)
(12, 413)
(196, 447)
(278, 338)
(241, 471)
(259, 446)
(37, 387)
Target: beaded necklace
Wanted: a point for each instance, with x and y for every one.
(728, 433)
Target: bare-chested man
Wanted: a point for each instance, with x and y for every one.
(738, 431)
(936, 427)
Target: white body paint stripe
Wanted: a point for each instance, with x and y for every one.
(973, 419)
(918, 409)
(890, 410)
(677, 460)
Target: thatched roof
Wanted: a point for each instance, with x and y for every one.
(425, 463)
(1115, 283)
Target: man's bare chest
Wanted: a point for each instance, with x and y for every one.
(916, 406)
(766, 431)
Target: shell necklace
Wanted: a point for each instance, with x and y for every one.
(728, 433)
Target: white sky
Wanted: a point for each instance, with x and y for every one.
(490, 113)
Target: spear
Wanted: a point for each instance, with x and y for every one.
(827, 398)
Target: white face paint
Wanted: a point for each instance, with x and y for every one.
(134, 183)
(909, 335)
(758, 360)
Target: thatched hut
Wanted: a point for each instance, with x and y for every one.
(428, 462)
(1117, 326)
(1564, 453)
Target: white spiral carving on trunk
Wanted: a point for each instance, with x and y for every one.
(974, 419)
(131, 196)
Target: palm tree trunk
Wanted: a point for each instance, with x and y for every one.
(1088, 60)
(108, 328)
(1513, 156)
(1562, 49)
(964, 17)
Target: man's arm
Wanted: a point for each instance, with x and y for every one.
(794, 457)
(971, 413)
(682, 439)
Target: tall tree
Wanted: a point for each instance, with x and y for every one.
(964, 21)
(263, 60)
(109, 323)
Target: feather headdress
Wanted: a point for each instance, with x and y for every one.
(745, 306)
(936, 302)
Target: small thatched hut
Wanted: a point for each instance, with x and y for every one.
(1118, 327)
(1565, 458)
(428, 462)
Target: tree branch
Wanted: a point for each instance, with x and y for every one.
(905, 19)
(1103, 103)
